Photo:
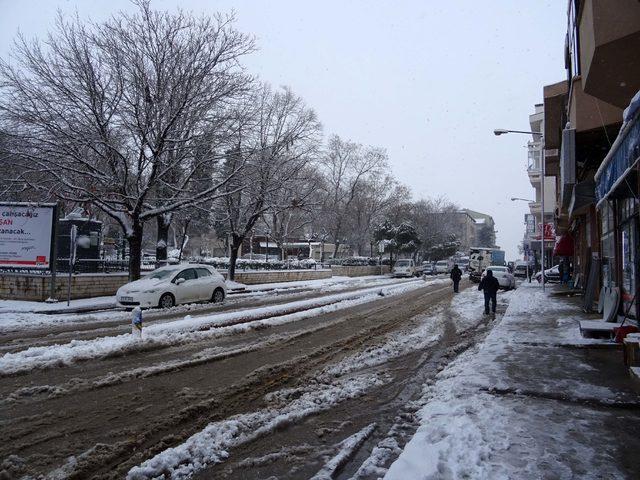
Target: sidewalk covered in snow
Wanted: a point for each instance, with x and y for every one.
(534, 400)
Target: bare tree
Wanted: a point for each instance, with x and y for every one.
(274, 145)
(377, 193)
(347, 168)
(294, 207)
(126, 115)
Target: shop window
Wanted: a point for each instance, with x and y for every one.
(608, 246)
(627, 209)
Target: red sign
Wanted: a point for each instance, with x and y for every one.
(549, 232)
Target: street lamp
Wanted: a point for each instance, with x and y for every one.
(513, 199)
(502, 131)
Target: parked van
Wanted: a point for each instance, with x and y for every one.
(443, 266)
(405, 267)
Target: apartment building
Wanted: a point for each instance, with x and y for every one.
(535, 173)
(591, 148)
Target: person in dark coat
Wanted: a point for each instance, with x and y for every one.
(561, 268)
(489, 285)
(456, 275)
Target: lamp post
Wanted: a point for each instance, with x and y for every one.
(502, 131)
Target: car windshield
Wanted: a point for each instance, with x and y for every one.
(442, 263)
(498, 269)
(162, 273)
(403, 263)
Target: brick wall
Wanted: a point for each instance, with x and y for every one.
(275, 276)
(36, 287)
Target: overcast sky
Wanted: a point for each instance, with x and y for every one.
(427, 80)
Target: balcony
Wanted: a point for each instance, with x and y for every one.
(609, 34)
(533, 163)
(535, 208)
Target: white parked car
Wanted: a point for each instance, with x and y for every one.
(173, 285)
(550, 275)
(404, 268)
(505, 278)
(442, 266)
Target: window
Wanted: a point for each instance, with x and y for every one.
(162, 273)
(608, 246)
(203, 272)
(188, 274)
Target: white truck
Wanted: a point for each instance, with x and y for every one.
(481, 258)
(405, 267)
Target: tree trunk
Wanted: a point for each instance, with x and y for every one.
(234, 246)
(184, 236)
(164, 221)
(135, 251)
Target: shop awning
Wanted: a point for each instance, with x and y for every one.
(582, 197)
(623, 155)
(564, 246)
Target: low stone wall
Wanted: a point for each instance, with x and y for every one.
(15, 286)
(339, 270)
(276, 276)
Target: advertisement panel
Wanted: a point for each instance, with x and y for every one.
(549, 232)
(26, 234)
(530, 221)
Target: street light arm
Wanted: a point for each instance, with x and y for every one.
(502, 131)
(513, 199)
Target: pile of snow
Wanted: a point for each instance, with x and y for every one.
(346, 450)
(191, 329)
(212, 445)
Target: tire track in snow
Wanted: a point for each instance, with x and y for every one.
(187, 330)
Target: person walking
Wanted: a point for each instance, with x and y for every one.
(489, 285)
(456, 275)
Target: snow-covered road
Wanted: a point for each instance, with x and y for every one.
(322, 380)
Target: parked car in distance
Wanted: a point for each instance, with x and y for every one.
(506, 280)
(405, 267)
(173, 285)
(550, 275)
(442, 266)
(462, 262)
(428, 269)
(520, 270)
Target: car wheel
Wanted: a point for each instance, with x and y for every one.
(167, 301)
(218, 295)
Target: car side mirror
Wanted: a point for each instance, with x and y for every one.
(180, 280)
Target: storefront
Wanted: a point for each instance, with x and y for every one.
(617, 195)
(584, 229)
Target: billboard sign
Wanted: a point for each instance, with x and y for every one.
(530, 221)
(26, 235)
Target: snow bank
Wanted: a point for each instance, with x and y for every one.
(190, 329)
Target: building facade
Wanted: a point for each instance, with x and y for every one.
(590, 149)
